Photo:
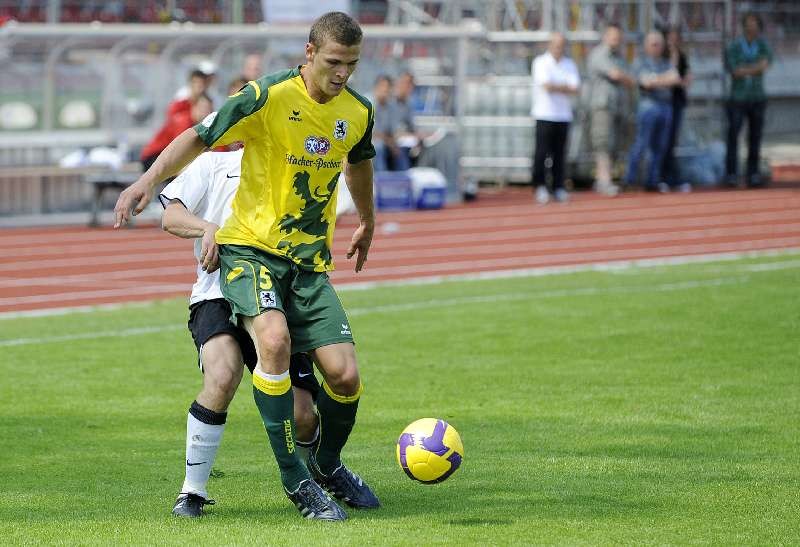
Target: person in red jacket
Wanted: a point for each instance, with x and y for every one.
(181, 115)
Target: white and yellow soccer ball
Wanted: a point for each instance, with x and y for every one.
(429, 450)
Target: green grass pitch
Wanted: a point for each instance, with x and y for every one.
(652, 405)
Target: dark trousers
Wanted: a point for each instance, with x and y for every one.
(669, 169)
(753, 111)
(551, 141)
(652, 133)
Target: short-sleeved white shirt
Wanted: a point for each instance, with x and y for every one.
(206, 187)
(549, 106)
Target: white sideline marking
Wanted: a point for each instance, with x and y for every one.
(393, 308)
(617, 266)
(89, 335)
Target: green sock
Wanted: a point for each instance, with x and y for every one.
(275, 402)
(337, 415)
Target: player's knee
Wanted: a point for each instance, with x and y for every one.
(345, 380)
(220, 384)
(275, 344)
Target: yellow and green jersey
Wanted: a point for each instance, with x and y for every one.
(293, 154)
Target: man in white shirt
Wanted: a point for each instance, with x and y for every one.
(196, 204)
(555, 81)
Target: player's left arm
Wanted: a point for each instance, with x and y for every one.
(358, 177)
(178, 221)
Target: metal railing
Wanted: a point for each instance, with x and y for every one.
(475, 80)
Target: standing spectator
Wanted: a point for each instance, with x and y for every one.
(654, 116)
(679, 61)
(608, 78)
(555, 81)
(746, 59)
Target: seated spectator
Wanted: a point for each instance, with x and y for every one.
(181, 115)
(196, 85)
(389, 156)
(252, 67)
(408, 138)
(201, 80)
(655, 77)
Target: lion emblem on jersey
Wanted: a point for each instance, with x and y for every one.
(305, 233)
(317, 145)
(340, 130)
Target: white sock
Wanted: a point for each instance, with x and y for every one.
(202, 442)
(304, 447)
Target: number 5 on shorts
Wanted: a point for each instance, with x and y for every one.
(264, 280)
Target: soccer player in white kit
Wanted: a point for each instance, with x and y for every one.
(196, 204)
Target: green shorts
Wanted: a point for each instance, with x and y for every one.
(254, 281)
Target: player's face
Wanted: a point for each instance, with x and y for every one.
(330, 66)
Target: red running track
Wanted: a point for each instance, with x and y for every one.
(46, 268)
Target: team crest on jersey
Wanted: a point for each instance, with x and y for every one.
(317, 145)
(267, 299)
(340, 130)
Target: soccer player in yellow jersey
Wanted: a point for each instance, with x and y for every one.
(301, 129)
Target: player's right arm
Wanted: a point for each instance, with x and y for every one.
(233, 122)
(177, 155)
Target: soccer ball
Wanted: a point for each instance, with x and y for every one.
(429, 450)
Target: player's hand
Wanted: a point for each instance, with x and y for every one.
(362, 239)
(136, 197)
(209, 251)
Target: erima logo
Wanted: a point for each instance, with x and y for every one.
(345, 329)
(295, 117)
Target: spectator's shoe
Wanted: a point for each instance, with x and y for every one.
(663, 188)
(190, 505)
(684, 188)
(314, 503)
(542, 195)
(730, 181)
(345, 485)
(652, 188)
(561, 195)
(755, 181)
(606, 188)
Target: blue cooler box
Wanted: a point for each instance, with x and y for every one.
(429, 187)
(393, 190)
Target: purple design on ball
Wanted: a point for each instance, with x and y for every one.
(405, 440)
(435, 443)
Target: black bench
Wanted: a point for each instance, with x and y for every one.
(111, 180)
